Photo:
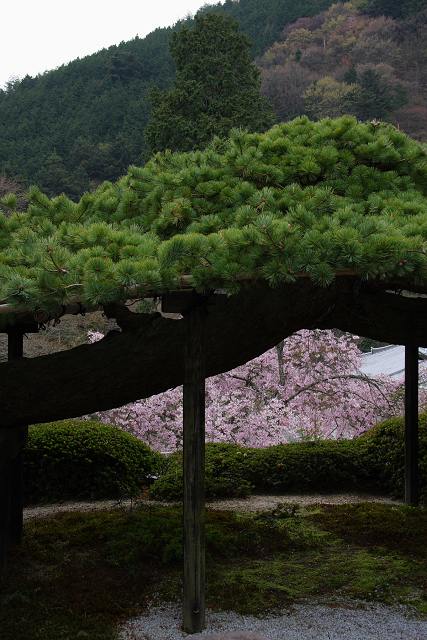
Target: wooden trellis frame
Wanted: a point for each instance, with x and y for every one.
(193, 308)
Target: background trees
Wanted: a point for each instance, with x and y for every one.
(284, 87)
(327, 98)
(92, 112)
(216, 88)
(383, 58)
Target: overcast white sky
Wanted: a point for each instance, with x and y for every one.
(40, 35)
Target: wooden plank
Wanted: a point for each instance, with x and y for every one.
(15, 343)
(177, 301)
(411, 426)
(16, 493)
(4, 516)
(181, 301)
(16, 444)
(193, 620)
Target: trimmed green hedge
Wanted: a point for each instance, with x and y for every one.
(372, 462)
(385, 449)
(73, 460)
(227, 468)
(320, 465)
(233, 471)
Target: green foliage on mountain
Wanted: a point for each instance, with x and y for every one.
(348, 61)
(304, 197)
(83, 123)
(70, 129)
(394, 8)
(369, 97)
(263, 20)
(216, 88)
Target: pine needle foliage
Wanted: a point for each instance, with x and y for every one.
(302, 197)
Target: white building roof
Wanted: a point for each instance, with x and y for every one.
(388, 360)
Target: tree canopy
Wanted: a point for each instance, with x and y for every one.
(313, 198)
(328, 215)
(216, 88)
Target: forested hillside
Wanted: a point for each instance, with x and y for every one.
(83, 123)
(340, 61)
(69, 129)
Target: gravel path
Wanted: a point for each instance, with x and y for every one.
(346, 620)
(242, 505)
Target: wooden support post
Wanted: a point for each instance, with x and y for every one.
(411, 426)
(16, 492)
(15, 349)
(15, 342)
(193, 619)
(4, 515)
(12, 478)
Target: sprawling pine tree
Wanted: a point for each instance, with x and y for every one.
(306, 225)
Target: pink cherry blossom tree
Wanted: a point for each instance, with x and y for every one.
(309, 386)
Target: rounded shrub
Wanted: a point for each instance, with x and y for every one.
(226, 471)
(385, 448)
(74, 459)
(233, 471)
(319, 465)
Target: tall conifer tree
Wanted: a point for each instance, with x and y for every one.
(375, 99)
(217, 88)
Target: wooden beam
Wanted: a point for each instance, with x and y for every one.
(193, 619)
(183, 282)
(411, 426)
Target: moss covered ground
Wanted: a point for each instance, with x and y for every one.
(78, 575)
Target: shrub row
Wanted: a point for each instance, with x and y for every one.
(233, 471)
(374, 461)
(75, 460)
(385, 448)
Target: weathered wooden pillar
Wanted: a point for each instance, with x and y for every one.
(15, 349)
(411, 426)
(4, 514)
(15, 342)
(193, 619)
(12, 442)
